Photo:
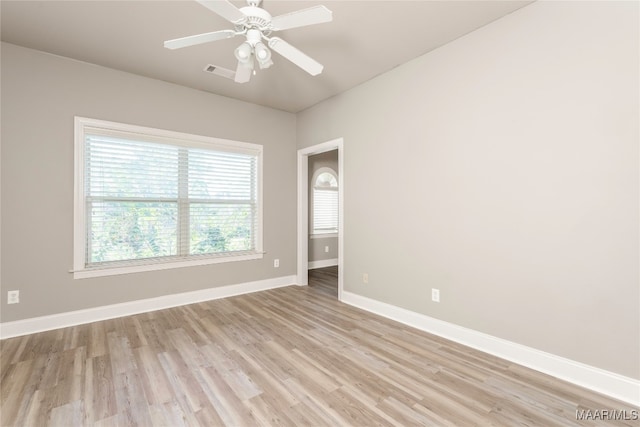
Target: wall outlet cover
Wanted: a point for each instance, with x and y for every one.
(13, 297)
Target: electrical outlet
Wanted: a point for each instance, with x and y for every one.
(13, 297)
(276, 263)
(365, 278)
(326, 249)
(435, 295)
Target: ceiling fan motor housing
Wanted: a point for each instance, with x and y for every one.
(256, 18)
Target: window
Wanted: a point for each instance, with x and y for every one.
(149, 199)
(325, 202)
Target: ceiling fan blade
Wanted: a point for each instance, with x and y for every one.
(303, 61)
(300, 18)
(225, 9)
(220, 71)
(199, 39)
(243, 72)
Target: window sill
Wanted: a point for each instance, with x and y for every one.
(323, 235)
(112, 270)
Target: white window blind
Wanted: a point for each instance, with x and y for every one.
(325, 204)
(158, 196)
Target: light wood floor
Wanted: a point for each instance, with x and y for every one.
(324, 280)
(289, 356)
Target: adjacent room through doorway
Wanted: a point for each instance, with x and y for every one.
(323, 203)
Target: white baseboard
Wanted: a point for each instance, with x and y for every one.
(609, 383)
(323, 263)
(72, 318)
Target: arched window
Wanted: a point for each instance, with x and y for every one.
(325, 201)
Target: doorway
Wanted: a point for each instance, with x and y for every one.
(305, 221)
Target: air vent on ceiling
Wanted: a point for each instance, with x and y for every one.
(220, 71)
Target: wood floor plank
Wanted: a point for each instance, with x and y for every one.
(373, 404)
(226, 403)
(16, 392)
(314, 401)
(183, 381)
(401, 415)
(291, 356)
(122, 359)
(273, 388)
(266, 414)
(69, 414)
(154, 380)
(133, 407)
(353, 412)
(35, 415)
(99, 391)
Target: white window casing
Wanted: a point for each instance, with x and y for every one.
(150, 199)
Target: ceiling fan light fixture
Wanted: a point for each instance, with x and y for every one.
(243, 52)
(263, 55)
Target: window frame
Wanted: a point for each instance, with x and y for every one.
(80, 268)
(314, 234)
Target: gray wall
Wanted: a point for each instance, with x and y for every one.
(503, 169)
(41, 94)
(317, 244)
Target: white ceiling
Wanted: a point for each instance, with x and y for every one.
(365, 38)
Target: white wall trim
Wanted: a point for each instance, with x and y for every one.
(596, 379)
(72, 318)
(322, 263)
(323, 236)
(156, 265)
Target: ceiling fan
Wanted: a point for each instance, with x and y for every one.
(256, 24)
